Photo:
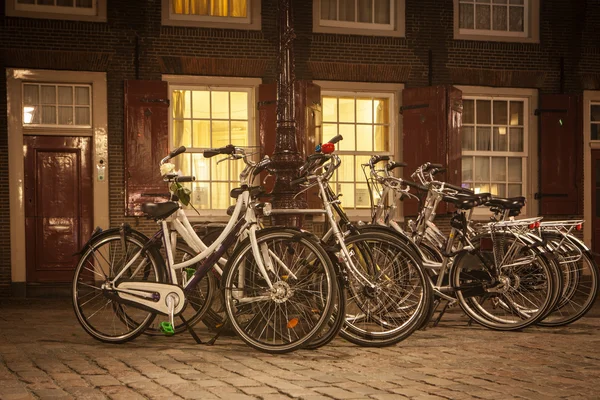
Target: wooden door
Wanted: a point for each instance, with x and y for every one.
(58, 205)
(596, 202)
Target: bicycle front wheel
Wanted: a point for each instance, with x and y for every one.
(283, 310)
(106, 256)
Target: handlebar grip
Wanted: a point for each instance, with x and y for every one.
(415, 185)
(229, 149)
(395, 165)
(297, 181)
(177, 152)
(262, 165)
(335, 139)
(432, 165)
(375, 159)
(185, 179)
(436, 171)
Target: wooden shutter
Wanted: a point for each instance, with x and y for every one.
(432, 117)
(146, 141)
(561, 154)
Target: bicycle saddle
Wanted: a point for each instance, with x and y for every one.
(158, 211)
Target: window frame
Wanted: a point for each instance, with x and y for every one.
(396, 27)
(251, 22)
(97, 14)
(185, 82)
(590, 97)
(530, 141)
(531, 32)
(57, 125)
(394, 91)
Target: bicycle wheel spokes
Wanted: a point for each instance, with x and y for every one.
(287, 315)
(101, 316)
(392, 309)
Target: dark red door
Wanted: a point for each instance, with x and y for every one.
(58, 204)
(596, 201)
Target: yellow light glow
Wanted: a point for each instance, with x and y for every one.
(28, 114)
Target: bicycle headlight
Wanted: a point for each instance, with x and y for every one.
(267, 209)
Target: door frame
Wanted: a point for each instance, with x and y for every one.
(99, 132)
(589, 96)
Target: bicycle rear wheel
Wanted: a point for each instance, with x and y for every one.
(288, 314)
(102, 317)
(398, 300)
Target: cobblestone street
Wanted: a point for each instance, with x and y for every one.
(44, 353)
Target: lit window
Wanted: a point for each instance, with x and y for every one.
(57, 104)
(205, 118)
(363, 17)
(66, 7)
(595, 121)
(213, 8)
(494, 151)
(503, 19)
(234, 14)
(364, 121)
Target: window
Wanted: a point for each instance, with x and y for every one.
(363, 17)
(363, 119)
(85, 10)
(505, 20)
(494, 145)
(205, 117)
(57, 104)
(594, 121)
(234, 14)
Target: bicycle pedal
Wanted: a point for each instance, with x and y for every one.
(167, 328)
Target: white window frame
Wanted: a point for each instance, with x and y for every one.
(340, 88)
(96, 14)
(589, 97)
(57, 125)
(396, 27)
(252, 21)
(530, 141)
(181, 82)
(531, 32)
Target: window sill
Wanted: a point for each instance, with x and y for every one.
(100, 17)
(495, 38)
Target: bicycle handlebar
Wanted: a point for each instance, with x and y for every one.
(229, 149)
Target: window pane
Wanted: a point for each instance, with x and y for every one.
(364, 137)
(484, 112)
(182, 133)
(26, 1)
(345, 173)
(467, 169)
(239, 133)
(482, 168)
(200, 167)
(468, 138)
(201, 133)
(48, 94)
(517, 2)
(48, 115)
(364, 111)
(181, 104)
(349, 142)
(516, 113)
(201, 195)
(515, 169)
(498, 169)
(382, 11)
(64, 3)
(382, 111)
(31, 115)
(515, 19)
(65, 95)
(201, 104)
(347, 10)
(482, 13)
(220, 134)
(219, 172)
(481, 188)
(595, 132)
(239, 105)
(220, 194)
(498, 189)
(500, 139)
(363, 200)
(468, 115)
(65, 115)
(500, 112)
(516, 139)
(358, 170)
(499, 15)
(382, 138)
(82, 95)
(514, 190)
(220, 105)
(31, 95)
(329, 131)
(239, 8)
(182, 162)
(329, 109)
(346, 106)
(365, 11)
(82, 116)
(483, 138)
(45, 2)
(328, 9)
(85, 3)
(466, 16)
(347, 189)
(595, 112)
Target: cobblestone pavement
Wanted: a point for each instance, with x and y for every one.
(44, 353)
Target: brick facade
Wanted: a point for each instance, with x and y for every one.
(132, 44)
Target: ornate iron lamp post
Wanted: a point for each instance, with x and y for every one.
(286, 158)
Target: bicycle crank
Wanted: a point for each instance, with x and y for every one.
(149, 296)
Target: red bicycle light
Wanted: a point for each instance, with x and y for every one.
(327, 148)
(579, 227)
(538, 224)
(532, 225)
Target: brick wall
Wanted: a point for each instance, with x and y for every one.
(568, 29)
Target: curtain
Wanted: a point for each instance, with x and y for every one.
(182, 162)
(217, 8)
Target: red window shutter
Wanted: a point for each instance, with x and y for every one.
(146, 141)
(432, 117)
(561, 154)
